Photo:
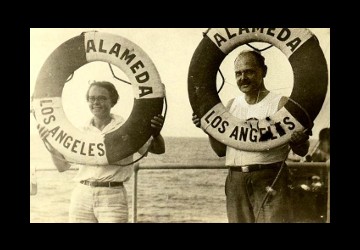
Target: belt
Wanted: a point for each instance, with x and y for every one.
(255, 167)
(102, 184)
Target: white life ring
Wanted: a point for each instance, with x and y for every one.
(310, 86)
(149, 93)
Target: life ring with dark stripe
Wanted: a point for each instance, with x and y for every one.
(149, 93)
(306, 57)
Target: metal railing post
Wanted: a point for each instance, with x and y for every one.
(328, 193)
(134, 198)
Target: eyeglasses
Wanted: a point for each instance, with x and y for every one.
(100, 98)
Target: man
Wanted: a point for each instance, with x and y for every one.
(246, 191)
(100, 195)
(322, 152)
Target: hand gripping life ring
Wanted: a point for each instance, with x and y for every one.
(149, 93)
(309, 90)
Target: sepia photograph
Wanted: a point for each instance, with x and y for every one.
(180, 125)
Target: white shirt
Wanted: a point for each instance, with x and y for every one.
(108, 172)
(241, 109)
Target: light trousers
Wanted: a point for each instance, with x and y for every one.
(98, 204)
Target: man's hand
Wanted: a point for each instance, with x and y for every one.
(299, 143)
(196, 120)
(156, 124)
(298, 138)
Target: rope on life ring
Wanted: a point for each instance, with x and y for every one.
(306, 57)
(149, 92)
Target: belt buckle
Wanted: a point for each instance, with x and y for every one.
(245, 169)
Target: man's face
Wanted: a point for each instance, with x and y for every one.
(326, 146)
(99, 101)
(248, 73)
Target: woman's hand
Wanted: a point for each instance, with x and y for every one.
(156, 124)
(58, 159)
(196, 120)
(44, 133)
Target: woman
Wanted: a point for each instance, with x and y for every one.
(100, 195)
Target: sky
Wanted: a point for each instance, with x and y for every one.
(171, 50)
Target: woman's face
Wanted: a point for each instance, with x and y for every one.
(99, 102)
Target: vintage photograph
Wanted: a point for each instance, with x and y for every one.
(180, 125)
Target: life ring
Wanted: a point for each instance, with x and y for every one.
(306, 57)
(149, 93)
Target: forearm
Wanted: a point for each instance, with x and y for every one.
(60, 163)
(57, 158)
(157, 145)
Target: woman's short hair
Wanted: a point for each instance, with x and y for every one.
(114, 96)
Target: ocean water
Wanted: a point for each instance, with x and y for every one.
(164, 196)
